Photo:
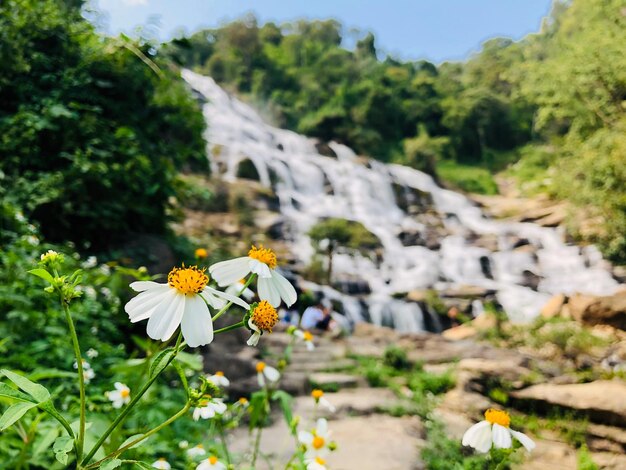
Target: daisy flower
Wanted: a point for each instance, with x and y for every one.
(218, 379)
(211, 464)
(263, 318)
(162, 464)
(494, 429)
(266, 372)
(305, 336)
(120, 396)
(271, 284)
(317, 441)
(243, 403)
(209, 408)
(317, 463)
(92, 353)
(318, 396)
(196, 451)
(201, 253)
(179, 302)
(236, 288)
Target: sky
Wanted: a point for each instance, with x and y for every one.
(436, 30)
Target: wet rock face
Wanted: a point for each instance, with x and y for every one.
(610, 310)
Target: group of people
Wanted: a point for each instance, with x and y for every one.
(317, 316)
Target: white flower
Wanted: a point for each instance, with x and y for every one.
(196, 451)
(90, 262)
(211, 464)
(92, 353)
(183, 444)
(317, 463)
(88, 373)
(318, 396)
(236, 288)
(219, 379)
(162, 464)
(263, 318)
(305, 336)
(317, 441)
(120, 396)
(178, 303)
(209, 409)
(494, 430)
(271, 284)
(266, 372)
(50, 256)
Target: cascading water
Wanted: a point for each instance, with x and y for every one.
(311, 186)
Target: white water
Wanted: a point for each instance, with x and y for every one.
(311, 186)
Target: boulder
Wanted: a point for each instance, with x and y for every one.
(460, 332)
(609, 310)
(552, 308)
(603, 400)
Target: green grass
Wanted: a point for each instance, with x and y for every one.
(472, 179)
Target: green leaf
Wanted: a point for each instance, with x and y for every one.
(48, 407)
(110, 464)
(192, 361)
(161, 361)
(38, 392)
(258, 409)
(44, 443)
(285, 403)
(13, 413)
(62, 445)
(143, 465)
(183, 377)
(43, 274)
(9, 392)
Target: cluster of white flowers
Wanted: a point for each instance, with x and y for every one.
(317, 444)
(88, 372)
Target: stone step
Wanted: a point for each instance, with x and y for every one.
(334, 380)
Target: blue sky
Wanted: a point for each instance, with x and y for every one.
(436, 30)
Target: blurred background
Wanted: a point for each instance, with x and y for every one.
(415, 165)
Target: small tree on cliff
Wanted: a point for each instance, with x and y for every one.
(330, 234)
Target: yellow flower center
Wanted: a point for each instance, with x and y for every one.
(124, 393)
(189, 280)
(320, 460)
(318, 442)
(264, 316)
(264, 255)
(219, 373)
(243, 401)
(213, 460)
(201, 253)
(307, 336)
(317, 393)
(260, 367)
(162, 459)
(498, 417)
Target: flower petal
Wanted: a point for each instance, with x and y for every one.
(254, 339)
(501, 437)
(526, 441)
(285, 289)
(261, 379)
(322, 427)
(142, 306)
(305, 438)
(196, 325)
(272, 374)
(267, 291)
(231, 271)
(478, 436)
(261, 269)
(230, 298)
(166, 317)
(140, 286)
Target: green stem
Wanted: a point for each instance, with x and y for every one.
(257, 444)
(224, 443)
(179, 346)
(227, 306)
(229, 328)
(143, 437)
(81, 380)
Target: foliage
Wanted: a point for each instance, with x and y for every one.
(469, 178)
(584, 460)
(91, 135)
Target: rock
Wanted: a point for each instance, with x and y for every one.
(349, 402)
(467, 291)
(418, 295)
(602, 400)
(460, 332)
(609, 460)
(324, 149)
(333, 380)
(578, 303)
(552, 308)
(609, 310)
(550, 454)
(484, 321)
(484, 372)
(352, 286)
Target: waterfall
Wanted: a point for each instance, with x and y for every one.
(429, 234)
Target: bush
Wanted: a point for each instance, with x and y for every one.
(472, 179)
